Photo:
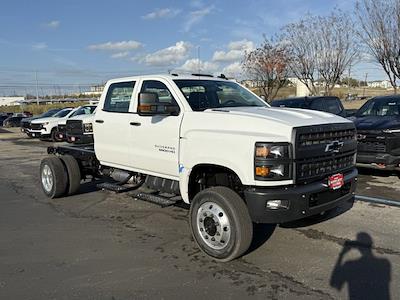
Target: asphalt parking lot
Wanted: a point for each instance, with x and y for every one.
(101, 245)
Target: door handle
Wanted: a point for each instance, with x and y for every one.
(99, 121)
(135, 123)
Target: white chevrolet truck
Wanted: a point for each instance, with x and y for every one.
(213, 144)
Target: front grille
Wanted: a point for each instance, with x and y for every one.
(324, 150)
(371, 146)
(36, 126)
(74, 127)
(324, 166)
(25, 124)
(325, 137)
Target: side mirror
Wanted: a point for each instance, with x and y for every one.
(150, 105)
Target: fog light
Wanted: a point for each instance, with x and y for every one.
(277, 204)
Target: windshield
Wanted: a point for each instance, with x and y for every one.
(49, 113)
(63, 113)
(380, 107)
(205, 94)
(84, 110)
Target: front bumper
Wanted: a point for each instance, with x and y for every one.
(80, 139)
(38, 133)
(304, 200)
(381, 161)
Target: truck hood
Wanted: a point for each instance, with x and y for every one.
(83, 118)
(292, 117)
(43, 120)
(273, 123)
(377, 122)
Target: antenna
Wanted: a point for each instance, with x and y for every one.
(198, 59)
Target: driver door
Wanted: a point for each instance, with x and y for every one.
(155, 139)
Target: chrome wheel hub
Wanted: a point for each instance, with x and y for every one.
(47, 178)
(213, 225)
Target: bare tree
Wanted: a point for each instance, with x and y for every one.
(379, 29)
(321, 49)
(268, 66)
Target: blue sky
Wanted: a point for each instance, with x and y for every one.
(83, 42)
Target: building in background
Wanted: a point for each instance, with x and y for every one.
(384, 84)
(9, 101)
(95, 90)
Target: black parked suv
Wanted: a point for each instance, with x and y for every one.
(328, 104)
(378, 133)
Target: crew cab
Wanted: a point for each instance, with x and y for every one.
(378, 133)
(62, 123)
(328, 104)
(45, 128)
(218, 147)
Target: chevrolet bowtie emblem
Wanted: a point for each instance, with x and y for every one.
(335, 146)
(361, 136)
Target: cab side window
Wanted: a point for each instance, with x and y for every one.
(119, 96)
(164, 95)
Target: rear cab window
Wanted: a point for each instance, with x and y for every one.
(333, 106)
(119, 96)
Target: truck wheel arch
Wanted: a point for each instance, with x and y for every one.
(212, 175)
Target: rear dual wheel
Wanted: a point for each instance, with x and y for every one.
(220, 223)
(59, 176)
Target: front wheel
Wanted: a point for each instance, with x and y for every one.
(220, 223)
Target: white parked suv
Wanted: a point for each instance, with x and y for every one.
(45, 128)
(215, 145)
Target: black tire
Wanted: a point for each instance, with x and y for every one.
(74, 173)
(53, 135)
(58, 175)
(241, 226)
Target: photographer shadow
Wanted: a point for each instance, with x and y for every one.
(367, 277)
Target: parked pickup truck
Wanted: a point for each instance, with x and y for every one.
(79, 129)
(45, 128)
(84, 110)
(328, 104)
(218, 147)
(378, 128)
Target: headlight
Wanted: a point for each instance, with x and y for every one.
(272, 161)
(45, 123)
(87, 127)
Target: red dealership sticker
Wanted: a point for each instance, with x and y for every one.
(336, 181)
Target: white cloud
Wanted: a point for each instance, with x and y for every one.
(161, 13)
(241, 45)
(120, 54)
(233, 70)
(196, 16)
(52, 24)
(117, 46)
(39, 46)
(195, 65)
(236, 51)
(168, 56)
(227, 56)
